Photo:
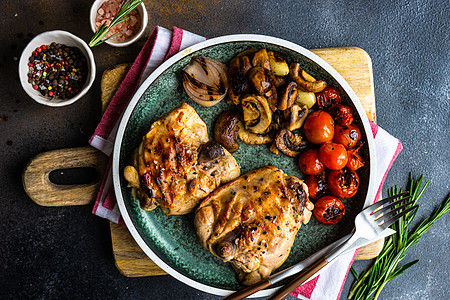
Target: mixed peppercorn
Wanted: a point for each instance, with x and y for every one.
(57, 71)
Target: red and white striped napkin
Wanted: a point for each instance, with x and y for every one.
(161, 45)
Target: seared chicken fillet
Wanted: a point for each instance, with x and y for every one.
(176, 165)
(252, 221)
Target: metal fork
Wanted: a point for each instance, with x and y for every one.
(369, 223)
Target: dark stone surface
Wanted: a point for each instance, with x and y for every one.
(65, 252)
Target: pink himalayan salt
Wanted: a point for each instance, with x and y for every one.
(126, 29)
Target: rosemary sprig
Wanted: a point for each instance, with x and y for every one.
(385, 268)
(126, 7)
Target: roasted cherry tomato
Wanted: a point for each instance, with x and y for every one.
(333, 155)
(317, 185)
(347, 135)
(329, 210)
(328, 97)
(355, 161)
(342, 114)
(309, 162)
(319, 127)
(343, 183)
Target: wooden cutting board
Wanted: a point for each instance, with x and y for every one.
(354, 64)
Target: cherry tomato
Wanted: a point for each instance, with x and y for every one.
(347, 135)
(333, 155)
(342, 114)
(329, 210)
(309, 162)
(355, 161)
(328, 97)
(319, 127)
(343, 183)
(317, 185)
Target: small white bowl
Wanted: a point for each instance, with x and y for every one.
(144, 20)
(46, 38)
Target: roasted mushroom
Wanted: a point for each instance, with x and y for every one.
(304, 85)
(261, 79)
(295, 116)
(226, 130)
(261, 59)
(253, 138)
(210, 151)
(289, 143)
(280, 81)
(272, 98)
(257, 113)
(305, 75)
(237, 70)
(287, 96)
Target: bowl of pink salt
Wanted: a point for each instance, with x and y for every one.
(128, 31)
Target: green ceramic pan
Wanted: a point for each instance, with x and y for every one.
(170, 241)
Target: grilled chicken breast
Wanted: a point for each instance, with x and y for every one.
(252, 221)
(176, 165)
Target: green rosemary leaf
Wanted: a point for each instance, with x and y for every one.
(355, 274)
(403, 269)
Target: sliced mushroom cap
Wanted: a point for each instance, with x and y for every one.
(237, 71)
(272, 98)
(273, 148)
(226, 130)
(304, 85)
(305, 75)
(295, 116)
(261, 59)
(253, 138)
(261, 79)
(257, 113)
(289, 143)
(280, 81)
(287, 96)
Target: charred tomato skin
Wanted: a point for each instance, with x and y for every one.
(319, 127)
(343, 183)
(349, 136)
(333, 155)
(342, 114)
(317, 185)
(329, 210)
(355, 161)
(328, 97)
(309, 162)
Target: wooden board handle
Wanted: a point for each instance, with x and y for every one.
(41, 190)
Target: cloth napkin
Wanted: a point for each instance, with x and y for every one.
(161, 45)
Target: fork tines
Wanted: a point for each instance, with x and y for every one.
(390, 218)
(389, 206)
(376, 206)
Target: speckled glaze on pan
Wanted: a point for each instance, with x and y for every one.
(170, 241)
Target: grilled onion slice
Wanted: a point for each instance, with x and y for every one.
(205, 80)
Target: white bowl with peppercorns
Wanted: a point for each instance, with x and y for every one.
(56, 68)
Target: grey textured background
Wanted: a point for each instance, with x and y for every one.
(65, 252)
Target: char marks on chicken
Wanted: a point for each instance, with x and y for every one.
(252, 221)
(176, 165)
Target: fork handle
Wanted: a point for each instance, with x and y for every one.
(241, 294)
(300, 279)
